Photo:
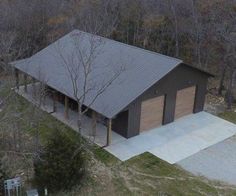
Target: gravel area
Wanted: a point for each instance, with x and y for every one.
(217, 162)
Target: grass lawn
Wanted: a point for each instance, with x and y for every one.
(148, 175)
(229, 115)
(141, 175)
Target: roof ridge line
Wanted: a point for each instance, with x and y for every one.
(131, 46)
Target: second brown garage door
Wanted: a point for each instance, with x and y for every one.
(185, 102)
(151, 113)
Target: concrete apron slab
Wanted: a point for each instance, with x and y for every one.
(178, 140)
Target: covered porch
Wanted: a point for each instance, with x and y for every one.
(93, 127)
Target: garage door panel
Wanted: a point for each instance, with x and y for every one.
(151, 113)
(185, 102)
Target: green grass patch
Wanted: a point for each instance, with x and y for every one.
(142, 175)
(229, 115)
(154, 176)
(152, 165)
(120, 187)
(104, 156)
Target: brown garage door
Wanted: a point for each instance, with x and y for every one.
(151, 113)
(185, 102)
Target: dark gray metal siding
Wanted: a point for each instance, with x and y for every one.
(181, 77)
(120, 123)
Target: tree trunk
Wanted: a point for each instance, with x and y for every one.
(197, 35)
(229, 91)
(173, 9)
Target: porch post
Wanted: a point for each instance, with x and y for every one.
(34, 87)
(94, 123)
(109, 124)
(17, 78)
(54, 101)
(25, 82)
(44, 93)
(66, 114)
(40, 93)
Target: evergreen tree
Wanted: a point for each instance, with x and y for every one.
(61, 165)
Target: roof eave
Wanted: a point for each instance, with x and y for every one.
(201, 70)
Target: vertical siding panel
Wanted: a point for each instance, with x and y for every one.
(200, 96)
(180, 78)
(134, 118)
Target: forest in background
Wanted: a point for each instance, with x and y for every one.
(200, 32)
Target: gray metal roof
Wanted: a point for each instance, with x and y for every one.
(135, 70)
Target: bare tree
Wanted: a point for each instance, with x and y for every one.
(97, 17)
(81, 68)
(226, 32)
(173, 8)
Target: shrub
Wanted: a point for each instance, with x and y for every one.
(3, 177)
(61, 164)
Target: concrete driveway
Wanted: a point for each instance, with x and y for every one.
(217, 162)
(178, 140)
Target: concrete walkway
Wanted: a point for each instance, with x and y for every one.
(178, 140)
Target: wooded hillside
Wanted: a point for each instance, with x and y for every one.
(201, 32)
